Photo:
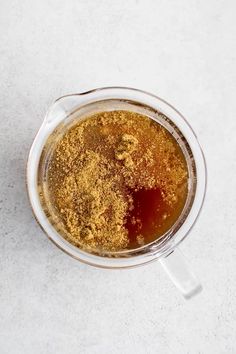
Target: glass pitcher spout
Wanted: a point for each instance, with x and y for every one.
(63, 106)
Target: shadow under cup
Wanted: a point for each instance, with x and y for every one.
(68, 110)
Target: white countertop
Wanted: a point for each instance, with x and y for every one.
(183, 51)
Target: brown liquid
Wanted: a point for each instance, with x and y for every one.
(148, 215)
(140, 161)
(151, 216)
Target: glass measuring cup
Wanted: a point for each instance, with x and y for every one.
(68, 108)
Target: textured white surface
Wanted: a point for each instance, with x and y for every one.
(184, 51)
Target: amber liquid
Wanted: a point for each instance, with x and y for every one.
(154, 215)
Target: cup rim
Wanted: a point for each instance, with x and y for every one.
(153, 255)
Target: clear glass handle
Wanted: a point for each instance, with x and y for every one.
(177, 269)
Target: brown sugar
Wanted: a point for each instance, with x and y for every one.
(92, 205)
(128, 144)
(117, 180)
